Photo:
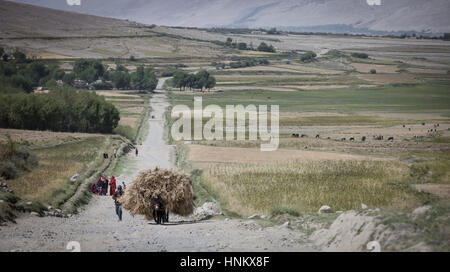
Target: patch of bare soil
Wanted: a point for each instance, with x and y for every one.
(441, 190)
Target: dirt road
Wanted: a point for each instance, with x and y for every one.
(96, 228)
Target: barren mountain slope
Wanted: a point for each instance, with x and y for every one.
(399, 15)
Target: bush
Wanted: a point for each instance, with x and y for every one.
(15, 160)
(242, 46)
(373, 71)
(283, 210)
(266, 48)
(8, 170)
(360, 55)
(308, 56)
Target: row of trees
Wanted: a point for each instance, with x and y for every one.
(201, 80)
(62, 109)
(94, 73)
(263, 47)
(248, 63)
(22, 74)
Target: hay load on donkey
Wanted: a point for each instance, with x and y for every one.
(173, 189)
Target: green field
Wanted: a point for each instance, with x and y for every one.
(414, 98)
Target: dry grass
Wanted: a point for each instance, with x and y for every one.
(382, 69)
(309, 69)
(427, 71)
(306, 186)
(117, 94)
(202, 153)
(128, 121)
(136, 110)
(44, 55)
(57, 164)
(388, 78)
(262, 88)
(39, 138)
(318, 87)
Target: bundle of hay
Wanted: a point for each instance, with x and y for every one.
(175, 190)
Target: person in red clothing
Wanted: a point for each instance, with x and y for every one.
(93, 188)
(112, 184)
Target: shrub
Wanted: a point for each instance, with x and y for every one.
(308, 56)
(15, 160)
(360, 55)
(266, 48)
(242, 46)
(373, 71)
(283, 210)
(8, 170)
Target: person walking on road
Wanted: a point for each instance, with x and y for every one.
(105, 185)
(112, 186)
(99, 185)
(137, 151)
(116, 197)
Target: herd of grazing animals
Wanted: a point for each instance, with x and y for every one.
(375, 137)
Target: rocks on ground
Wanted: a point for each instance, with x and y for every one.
(325, 209)
(207, 210)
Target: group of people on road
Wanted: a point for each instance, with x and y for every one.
(101, 188)
(102, 185)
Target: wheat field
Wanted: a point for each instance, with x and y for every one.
(306, 186)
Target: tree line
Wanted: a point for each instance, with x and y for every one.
(19, 73)
(263, 47)
(62, 109)
(97, 77)
(201, 80)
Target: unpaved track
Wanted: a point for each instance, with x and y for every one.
(96, 228)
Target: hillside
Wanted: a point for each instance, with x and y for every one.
(320, 15)
(51, 33)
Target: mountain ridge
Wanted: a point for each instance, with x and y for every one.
(394, 16)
